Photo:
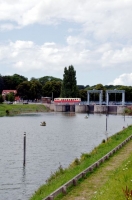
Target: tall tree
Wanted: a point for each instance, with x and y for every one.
(69, 85)
(51, 89)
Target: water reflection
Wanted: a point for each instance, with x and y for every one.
(65, 137)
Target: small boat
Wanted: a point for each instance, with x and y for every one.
(43, 124)
(86, 116)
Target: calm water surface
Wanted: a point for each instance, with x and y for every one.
(65, 137)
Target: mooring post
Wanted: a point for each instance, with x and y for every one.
(24, 149)
(106, 121)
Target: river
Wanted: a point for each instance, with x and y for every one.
(65, 137)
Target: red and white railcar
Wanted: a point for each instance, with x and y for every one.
(67, 100)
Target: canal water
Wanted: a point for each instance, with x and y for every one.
(65, 137)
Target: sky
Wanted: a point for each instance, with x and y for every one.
(41, 38)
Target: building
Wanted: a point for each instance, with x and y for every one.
(5, 92)
(46, 99)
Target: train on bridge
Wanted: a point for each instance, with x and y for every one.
(67, 100)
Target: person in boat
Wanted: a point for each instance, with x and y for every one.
(43, 123)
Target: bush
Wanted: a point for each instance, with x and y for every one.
(7, 112)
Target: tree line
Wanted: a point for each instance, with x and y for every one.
(48, 86)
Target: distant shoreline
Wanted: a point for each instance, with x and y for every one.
(15, 109)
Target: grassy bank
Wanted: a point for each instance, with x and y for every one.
(14, 109)
(63, 175)
(119, 183)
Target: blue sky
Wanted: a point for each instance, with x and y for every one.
(40, 38)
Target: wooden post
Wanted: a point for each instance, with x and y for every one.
(106, 121)
(24, 149)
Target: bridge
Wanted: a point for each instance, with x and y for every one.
(108, 92)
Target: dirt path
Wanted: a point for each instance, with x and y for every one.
(86, 189)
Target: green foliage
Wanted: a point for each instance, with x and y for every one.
(128, 111)
(23, 90)
(35, 90)
(7, 112)
(1, 84)
(69, 84)
(51, 88)
(75, 163)
(80, 87)
(56, 174)
(11, 82)
(99, 87)
(1, 99)
(83, 94)
(68, 87)
(45, 79)
(14, 109)
(85, 156)
(29, 90)
(10, 97)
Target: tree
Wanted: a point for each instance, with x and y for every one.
(1, 84)
(17, 79)
(83, 95)
(29, 90)
(10, 97)
(69, 85)
(35, 89)
(1, 99)
(100, 87)
(45, 79)
(128, 93)
(51, 88)
(11, 82)
(23, 90)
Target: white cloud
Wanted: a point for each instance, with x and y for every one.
(124, 79)
(26, 55)
(103, 41)
(7, 27)
(104, 19)
(114, 57)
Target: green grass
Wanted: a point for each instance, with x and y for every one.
(14, 109)
(120, 181)
(61, 176)
(128, 111)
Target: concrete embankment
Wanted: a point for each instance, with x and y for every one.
(112, 109)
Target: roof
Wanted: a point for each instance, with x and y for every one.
(8, 91)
